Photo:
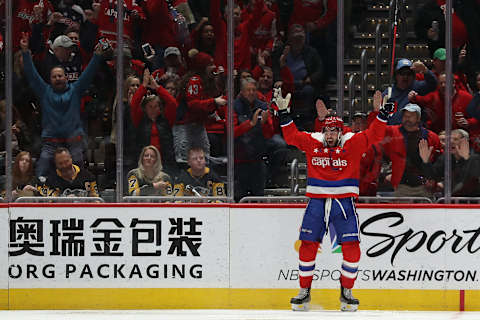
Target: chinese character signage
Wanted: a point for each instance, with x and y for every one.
(97, 247)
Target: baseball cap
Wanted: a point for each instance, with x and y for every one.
(171, 50)
(440, 54)
(359, 115)
(63, 41)
(412, 107)
(402, 63)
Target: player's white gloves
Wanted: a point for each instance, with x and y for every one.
(282, 105)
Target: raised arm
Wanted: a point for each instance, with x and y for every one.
(427, 85)
(87, 75)
(291, 134)
(136, 111)
(34, 79)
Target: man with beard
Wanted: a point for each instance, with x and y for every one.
(333, 160)
(401, 146)
(68, 180)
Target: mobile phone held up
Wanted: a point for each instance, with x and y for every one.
(104, 43)
(147, 50)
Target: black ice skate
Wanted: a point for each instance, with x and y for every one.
(302, 301)
(347, 301)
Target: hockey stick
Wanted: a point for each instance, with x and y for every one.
(395, 25)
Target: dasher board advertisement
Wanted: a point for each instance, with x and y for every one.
(101, 247)
(401, 249)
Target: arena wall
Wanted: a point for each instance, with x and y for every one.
(148, 256)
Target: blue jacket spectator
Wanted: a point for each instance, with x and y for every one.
(60, 103)
(405, 82)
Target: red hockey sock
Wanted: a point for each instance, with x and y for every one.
(351, 257)
(307, 253)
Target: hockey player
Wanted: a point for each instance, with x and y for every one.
(333, 177)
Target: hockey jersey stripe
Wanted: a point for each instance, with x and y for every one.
(332, 190)
(348, 269)
(350, 264)
(305, 273)
(336, 183)
(349, 274)
(302, 268)
(307, 263)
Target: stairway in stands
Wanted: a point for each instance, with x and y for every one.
(363, 38)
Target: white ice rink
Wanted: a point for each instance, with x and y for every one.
(233, 315)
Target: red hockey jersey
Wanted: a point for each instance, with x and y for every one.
(107, 20)
(23, 17)
(333, 172)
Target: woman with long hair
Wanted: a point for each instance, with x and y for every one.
(23, 179)
(130, 149)
(149, 179)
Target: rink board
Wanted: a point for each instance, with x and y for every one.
(225, 256)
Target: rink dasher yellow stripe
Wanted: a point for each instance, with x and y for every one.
(223, 298)
(472, 300)
(3, 299)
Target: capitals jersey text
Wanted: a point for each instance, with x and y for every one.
(333, 172)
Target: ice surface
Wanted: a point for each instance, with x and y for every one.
(233, 315)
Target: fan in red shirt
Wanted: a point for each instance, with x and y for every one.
(265, 31)
(158, 28)
(434, 104)
(24, 16)
(313, 14)
(244, 31)
(196, 103)
(107, 20)
(153, 116)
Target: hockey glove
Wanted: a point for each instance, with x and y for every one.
(282, 105)
(386, 110)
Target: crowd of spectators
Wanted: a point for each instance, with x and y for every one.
(175, 97)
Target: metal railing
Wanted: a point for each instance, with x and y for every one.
(460, 200)
(59, 200)
(394, 200)
(363, 76)
(283, 199)
(378, 56)
(351, 97)
(162, 199)
(294, 186)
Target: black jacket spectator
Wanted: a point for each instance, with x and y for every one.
(250, 146)
(312, 60)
